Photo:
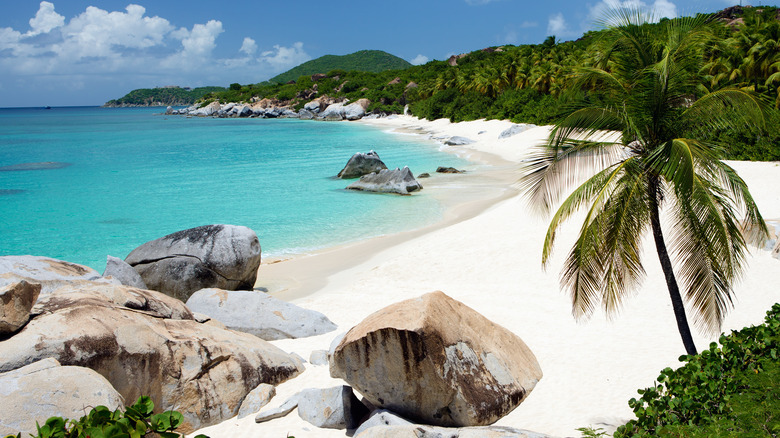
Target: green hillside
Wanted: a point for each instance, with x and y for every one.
(374, 61)
(162, 96)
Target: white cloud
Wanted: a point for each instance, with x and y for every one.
(249, 46)
(128, 47)
(45, 20)
(556, 25)
(419, 60)
(281, 58)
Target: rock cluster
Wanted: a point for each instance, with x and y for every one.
(320, 109)
(430, 360)
(142, 342)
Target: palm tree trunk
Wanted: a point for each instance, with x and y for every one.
(666, 265)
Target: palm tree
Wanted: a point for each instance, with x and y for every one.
(646, 90)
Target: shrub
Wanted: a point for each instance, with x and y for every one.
(699, 393)
(137, 421)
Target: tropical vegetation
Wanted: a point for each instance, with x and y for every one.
(374, 61)
(162, 96)
(137, 421)
(532, 83)
(727, 391)
(644, 84)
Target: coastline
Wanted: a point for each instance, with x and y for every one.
(487, 255)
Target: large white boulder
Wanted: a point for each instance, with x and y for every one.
(433, 359)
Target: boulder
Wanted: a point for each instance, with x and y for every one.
(400, 181)
(334, 111)
(458, 141)
(255, 400)
(46, 389)
(16, 301)
(313, 106)
(49, 273)
(119, 270)
(362, 164)
(433, 359)
(331, 408)
(355, 111)
(244, 111)
(278, 412)
(169, 110)
(424, 175)
(442, 169)
(318, 357)
(381, 418)
(424, 431)
(515, 129)
(146, 343)
(221, 256)
(207, 110)
(259, 314)
(305, 114)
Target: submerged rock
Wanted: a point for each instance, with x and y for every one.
(44, 165)
(441, 169)
(362, 164)
(219, 256)
(433, 359)
(400, 181)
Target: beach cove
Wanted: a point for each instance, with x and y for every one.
(488, 256)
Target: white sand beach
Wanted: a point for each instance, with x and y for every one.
(486, 253)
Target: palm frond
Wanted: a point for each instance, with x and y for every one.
(728, 108)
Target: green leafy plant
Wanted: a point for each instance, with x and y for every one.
(722, 385)
(589, 432)
(136, 421)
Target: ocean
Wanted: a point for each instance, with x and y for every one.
(119, 177)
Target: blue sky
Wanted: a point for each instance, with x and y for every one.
(75, 52)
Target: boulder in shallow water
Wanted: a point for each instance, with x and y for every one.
(362, 164)
(16, 301)
(219, 256)
(442, 169)
(46, 389)
(259, 314)
(400, 181)
(119, 270)
(433, 359)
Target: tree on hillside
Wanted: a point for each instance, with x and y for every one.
(645, 86)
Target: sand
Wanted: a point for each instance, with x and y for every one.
(487, 254)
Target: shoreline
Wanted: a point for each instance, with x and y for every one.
(489, 185)
(489, 258)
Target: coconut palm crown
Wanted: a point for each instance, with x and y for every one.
(644, 87)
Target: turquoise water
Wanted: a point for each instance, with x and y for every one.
(135, 175)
